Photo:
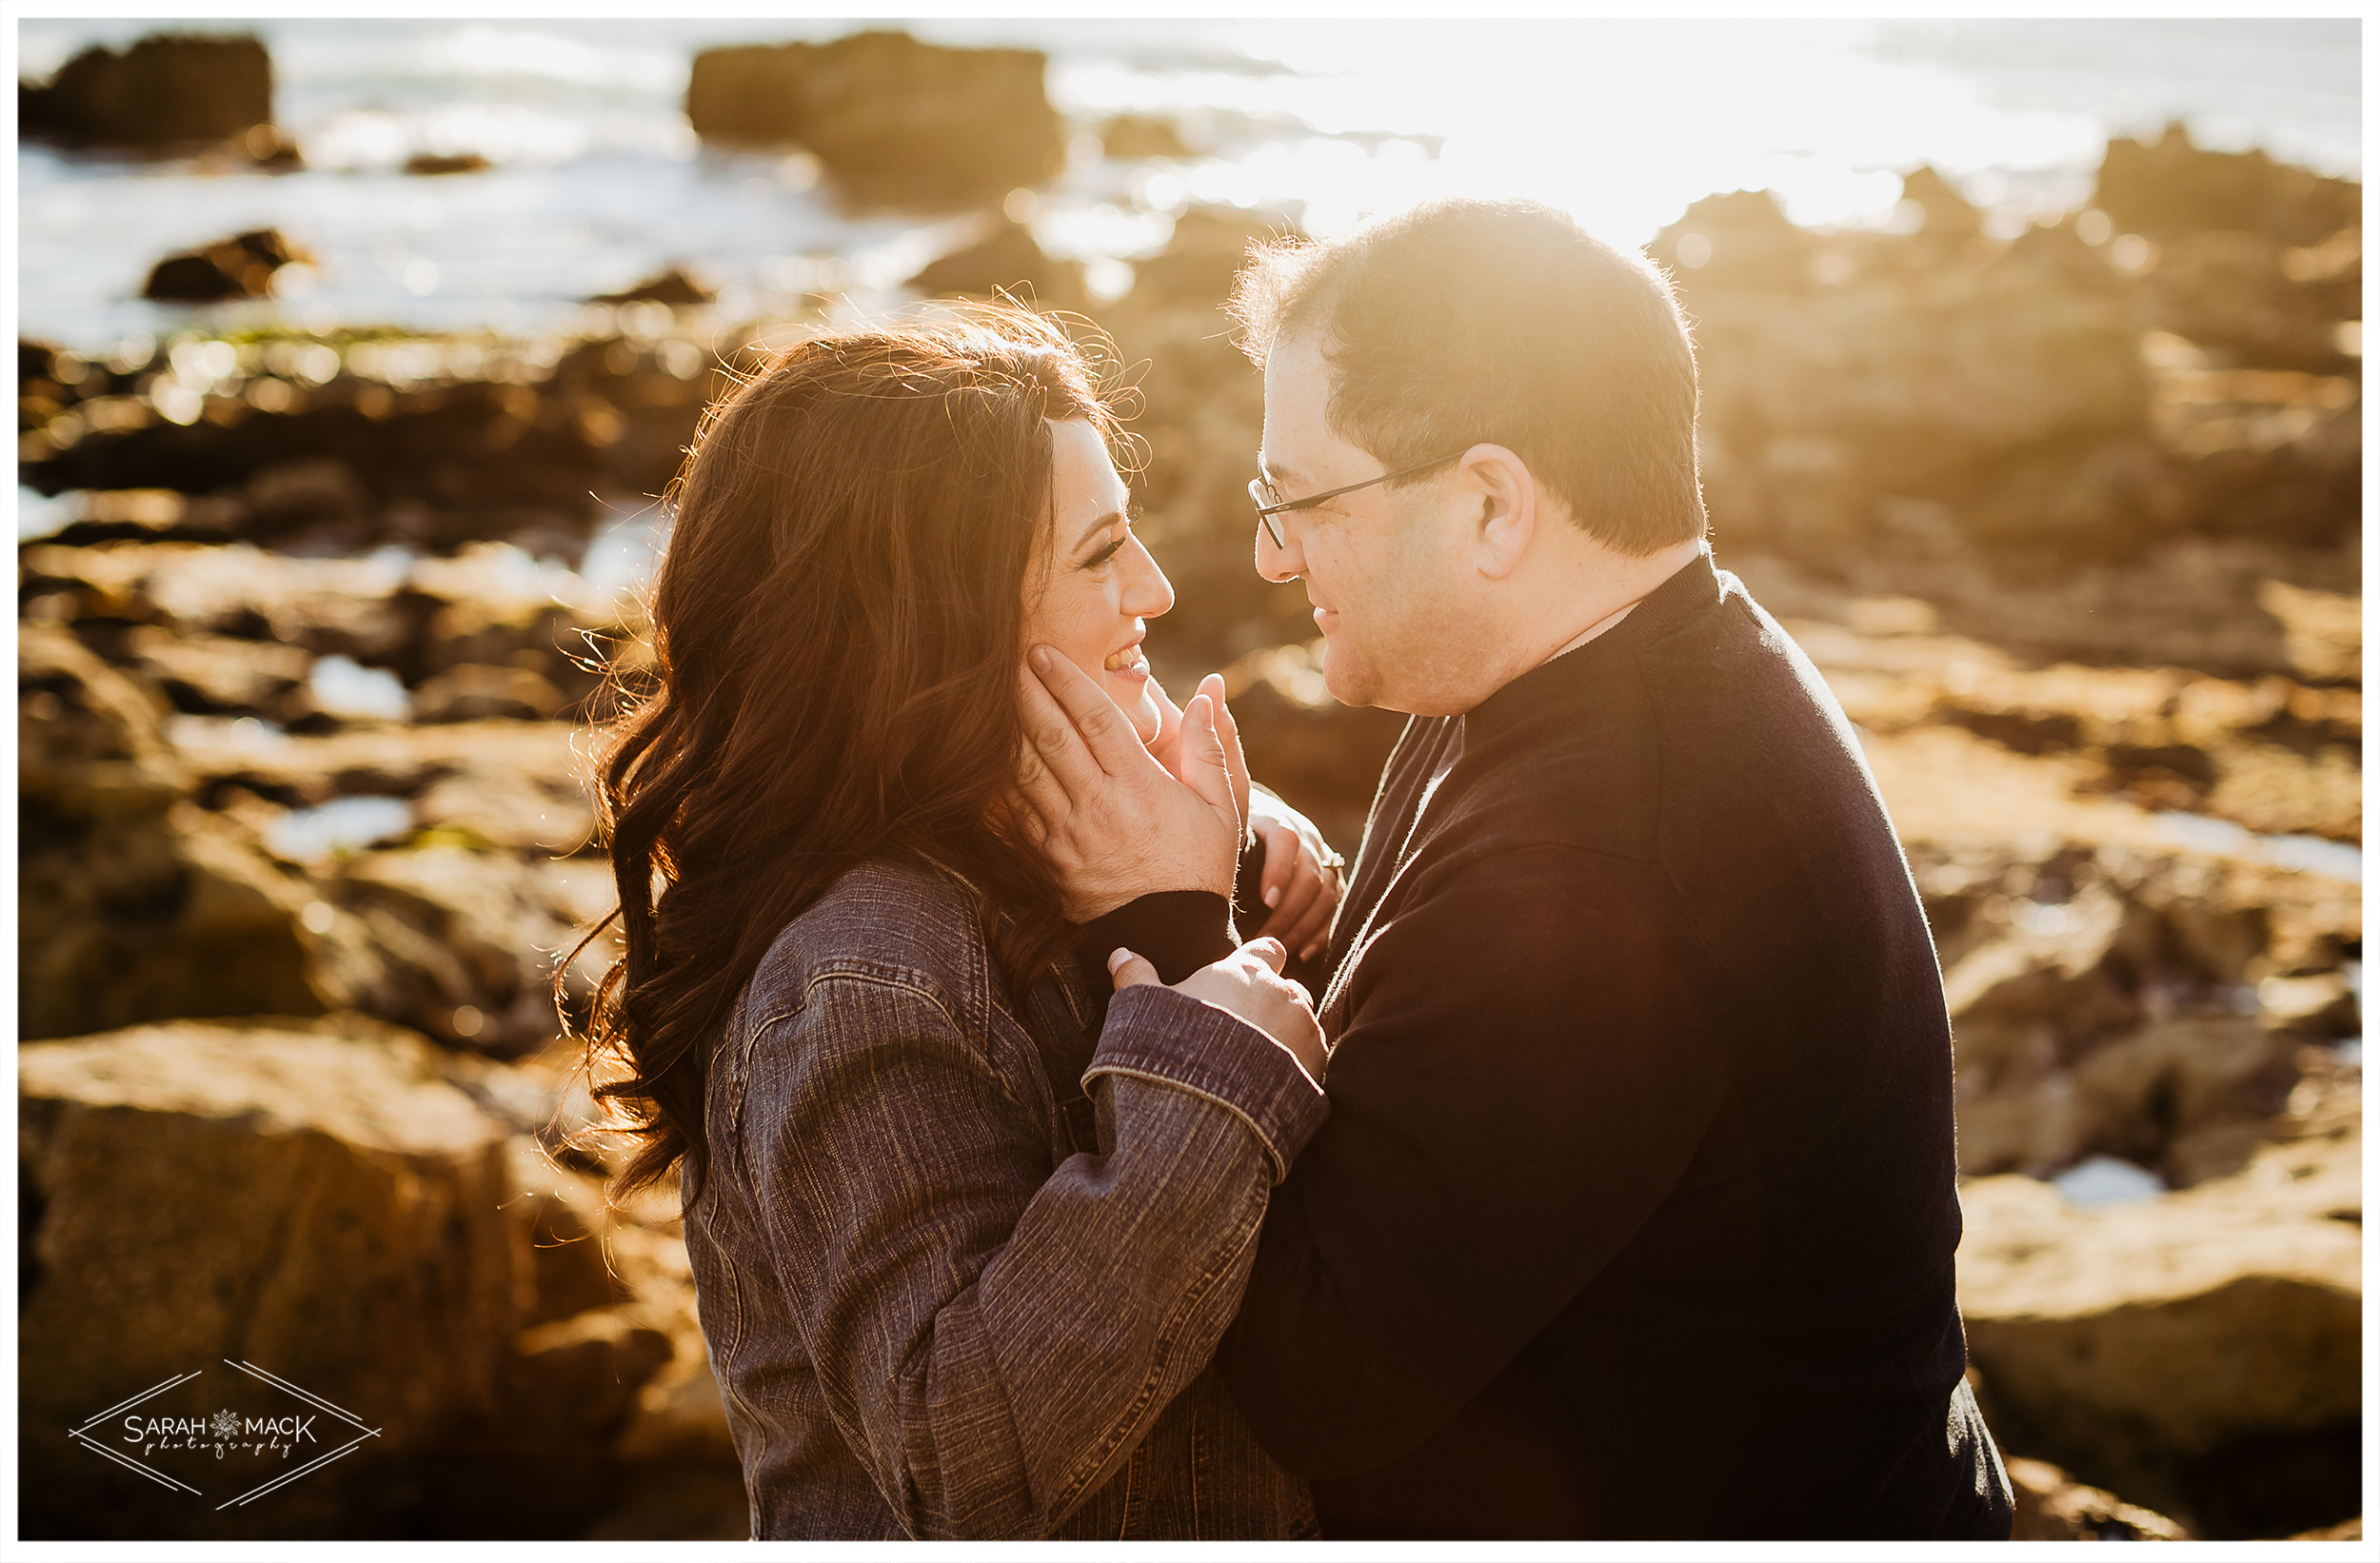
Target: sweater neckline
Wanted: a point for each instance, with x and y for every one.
(1694, 586)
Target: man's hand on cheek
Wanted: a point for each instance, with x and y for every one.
(1113, 821)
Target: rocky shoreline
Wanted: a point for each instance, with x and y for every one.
(2070, 524)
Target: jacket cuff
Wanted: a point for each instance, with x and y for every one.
(1177, 931)
(1157, 1033)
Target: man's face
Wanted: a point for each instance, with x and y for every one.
(1379, 564)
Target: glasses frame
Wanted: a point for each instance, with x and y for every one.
(1260, 491)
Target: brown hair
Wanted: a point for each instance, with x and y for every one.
(1462, 321)
(836, 627)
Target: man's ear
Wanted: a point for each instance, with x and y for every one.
(1503, 495)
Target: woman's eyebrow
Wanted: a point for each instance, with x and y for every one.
(1098, 526)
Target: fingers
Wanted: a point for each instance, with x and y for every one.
(1282, 848)
(1305, 908)
(1129, 970)
(1312, 932)
(1168, 719)
(1227, 728)
(1067, 767)
(1271, 951)
(1203, 764)
(1028, 816)
(1106, 738)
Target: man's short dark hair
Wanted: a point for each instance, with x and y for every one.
(1504, 322)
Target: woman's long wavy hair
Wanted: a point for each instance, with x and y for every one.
(837, 632)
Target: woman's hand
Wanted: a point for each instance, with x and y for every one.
(1248, 983)
(1111, 820)
(1303, 879)
(1167, 745)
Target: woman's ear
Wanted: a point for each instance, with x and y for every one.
(1499, 484)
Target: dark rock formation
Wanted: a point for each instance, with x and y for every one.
(164, 92)
(2199, 1351)
(1007, 262)
(238, 267)
(1143, 135)
(672, 288)
(893, 121)
(2053, 1506)
(1948, 212)
(131, 904)
(451, 459)
(351, 1209)
(436, 165)
(2167, 188)
(1739, 241)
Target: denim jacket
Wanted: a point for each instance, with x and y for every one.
(961, 1270)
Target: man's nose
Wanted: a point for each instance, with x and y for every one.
(1282, 561)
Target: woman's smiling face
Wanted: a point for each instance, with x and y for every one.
(1098, 584)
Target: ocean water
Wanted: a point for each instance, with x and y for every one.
(598, 180)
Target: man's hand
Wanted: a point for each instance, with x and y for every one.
(1248, 983)
(1303, 879)
(1113, 821)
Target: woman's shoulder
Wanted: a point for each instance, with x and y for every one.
(888, 922)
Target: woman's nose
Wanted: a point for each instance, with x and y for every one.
(1147, 593)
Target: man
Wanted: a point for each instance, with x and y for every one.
(1635, 1208)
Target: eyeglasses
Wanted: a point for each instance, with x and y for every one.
(1269, 503)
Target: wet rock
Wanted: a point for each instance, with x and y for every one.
(323, 1205)
(2232, 291)
(2170, 187)
(436, 165)
(560, 1220)
(164, 90)
(132, 904)
(217, 675)
(1010, 263)
(2199, 1351)
(473, 936)
(348, 1204)
(151, 515)
(269, 147)
(476, 692)
(300, 491)
(672, 288)
(2053, 1506)
(510, 784)
(329, 607)
(892, 120)
(238, 267)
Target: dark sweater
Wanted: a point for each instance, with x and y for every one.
(1634, 1212)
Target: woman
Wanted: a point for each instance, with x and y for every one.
(964, 1229)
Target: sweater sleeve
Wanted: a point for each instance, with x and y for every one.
(1523, 1068)
(993, 1335)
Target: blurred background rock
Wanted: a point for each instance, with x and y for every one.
(356, 354)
